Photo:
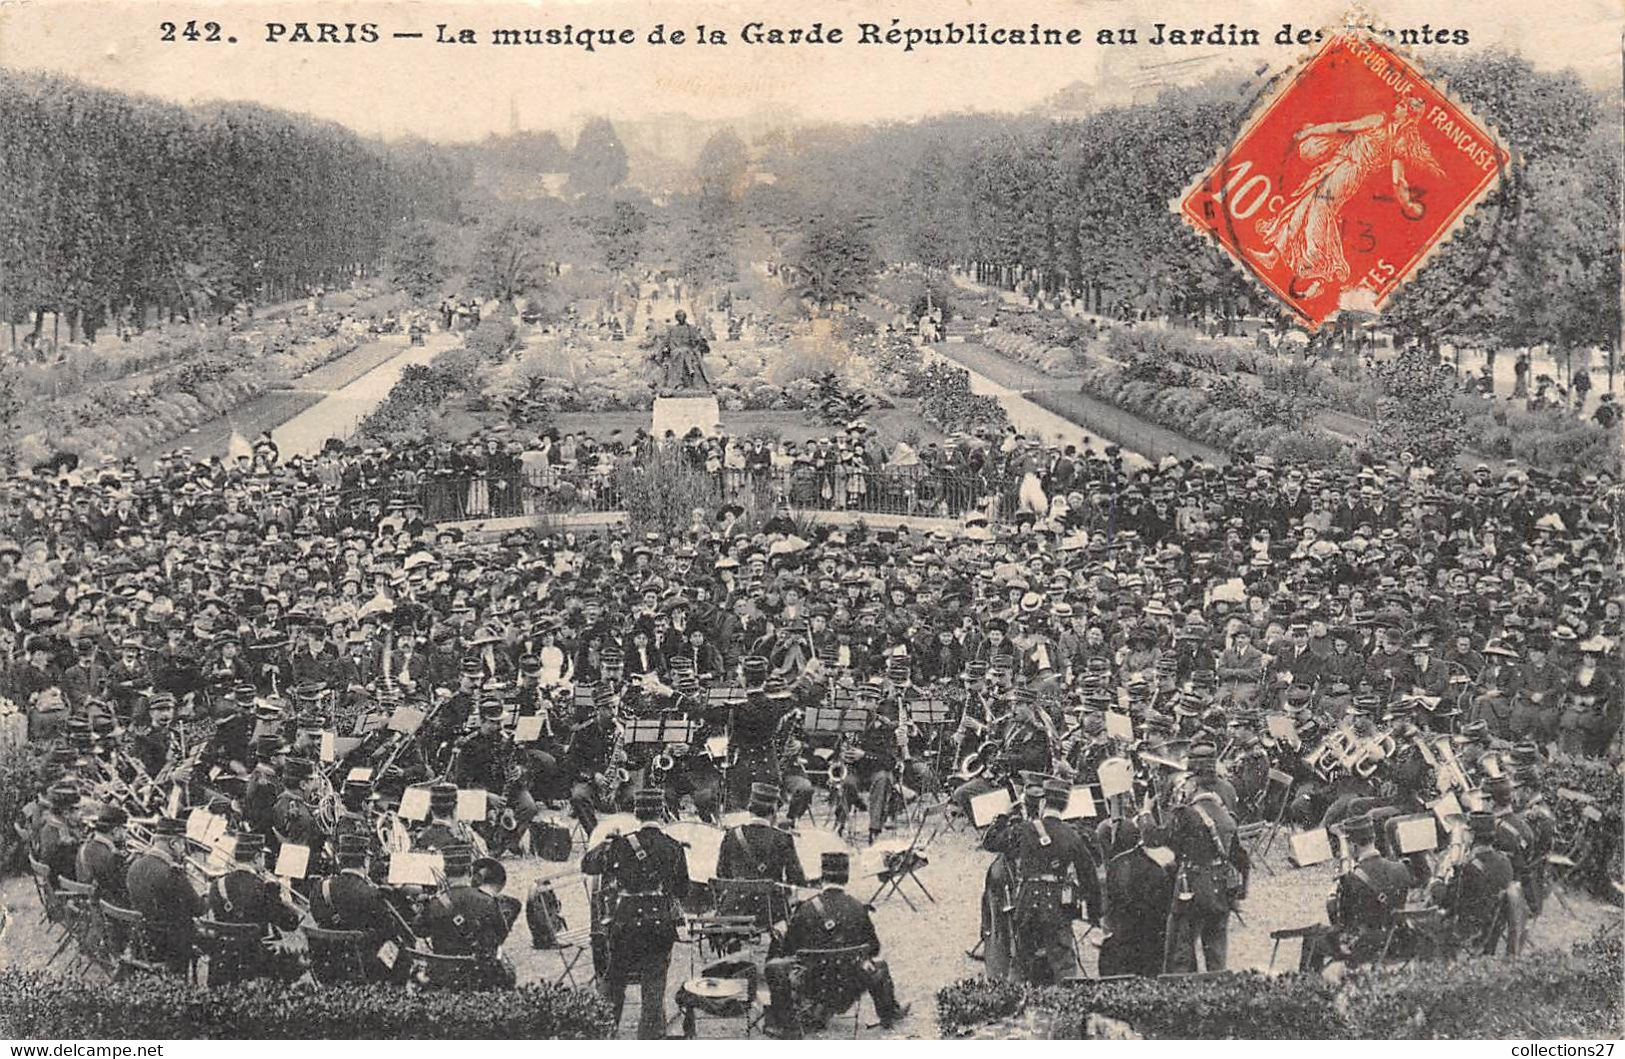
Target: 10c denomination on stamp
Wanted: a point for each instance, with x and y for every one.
(1339, 187)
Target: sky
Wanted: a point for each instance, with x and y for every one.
(452, 92)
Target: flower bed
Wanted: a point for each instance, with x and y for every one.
(1054, 358)
(1284, 396)
(218, 372)
(1193, 412)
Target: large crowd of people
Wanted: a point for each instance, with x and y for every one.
(301, 649)
(506, 473)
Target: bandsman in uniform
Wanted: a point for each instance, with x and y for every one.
(805, 989)
(1139, 889)
(103, 860)
(56, 840)
(591, 749)
(293, 818)
(264, 785)
(444, 828)
(1476, 894)
(245, 895)
(1542, 822)
(648, 871)
(1211, 879)
(1203, 761)
(160, 891)
(1513, 834)
(491, 878)
(1362, 905)
(872, 761)
(758, 850)
(348, 900)
(1055, 872)
(463, 920)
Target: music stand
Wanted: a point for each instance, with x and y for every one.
(664, 730)
(716, 698)
(928, 709)
(851, 717)
(1265, 829)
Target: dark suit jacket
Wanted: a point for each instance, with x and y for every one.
(349, 902)
(832, 920)
(1019, 839)
(759, 851)
(462, 921)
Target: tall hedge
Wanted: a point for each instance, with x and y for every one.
(114, 200)
(41, 1005)
(1541, 994)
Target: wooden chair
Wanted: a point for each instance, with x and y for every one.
(820, 966)
(50, 902)
(338, 956)
(1309, 934)
(83, 918)
(722, 933)
(762, 899)
(130, 942)
(226, 952)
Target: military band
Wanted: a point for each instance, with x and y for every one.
(1122, 720)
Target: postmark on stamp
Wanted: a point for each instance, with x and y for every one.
(1340, 186)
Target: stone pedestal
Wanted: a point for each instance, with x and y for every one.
(681, 414)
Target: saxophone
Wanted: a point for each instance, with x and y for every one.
(614, 776)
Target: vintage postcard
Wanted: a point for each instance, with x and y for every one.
(715, 519)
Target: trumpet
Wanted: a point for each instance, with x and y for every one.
(1338, 750)
(1372, 753)
(662, 763)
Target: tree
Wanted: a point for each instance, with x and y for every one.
(598, 163)
(506, 264)
(836, 259)
(414, 262)
(618, 234)
(719, 171)
(1418, 411)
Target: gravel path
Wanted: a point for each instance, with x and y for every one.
(926, 949)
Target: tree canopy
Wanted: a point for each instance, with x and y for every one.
(597, 165)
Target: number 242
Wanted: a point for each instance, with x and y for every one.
(210, 31)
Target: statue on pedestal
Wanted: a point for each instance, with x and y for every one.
(679, 358)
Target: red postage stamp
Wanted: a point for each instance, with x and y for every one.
(1337, 189)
